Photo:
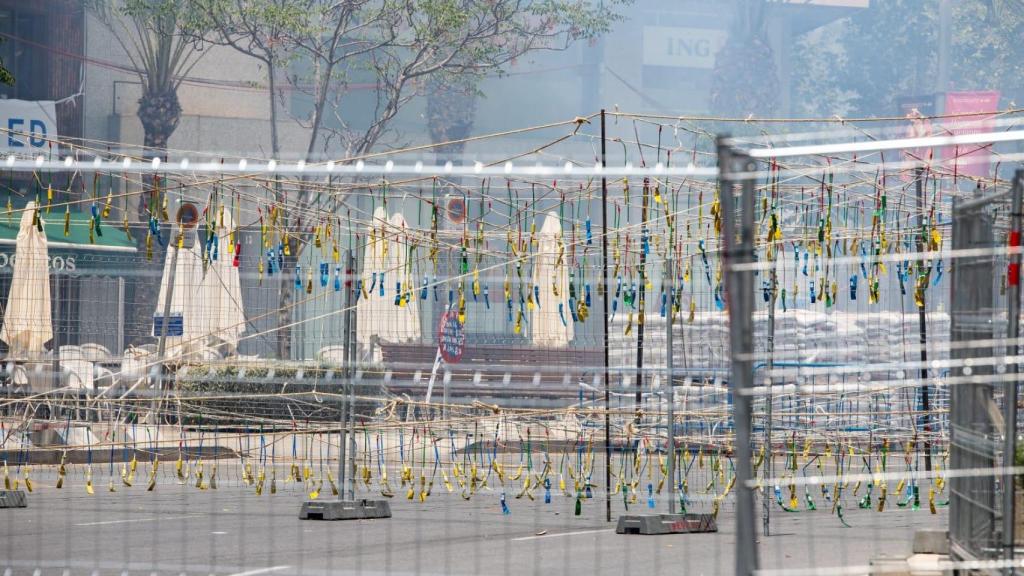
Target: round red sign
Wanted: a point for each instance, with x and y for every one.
(456, 210)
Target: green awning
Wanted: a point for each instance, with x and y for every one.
(113, 239)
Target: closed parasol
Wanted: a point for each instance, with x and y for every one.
(27, 324)
(551, 324)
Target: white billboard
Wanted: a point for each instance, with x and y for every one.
(682, 47)
(27, 126)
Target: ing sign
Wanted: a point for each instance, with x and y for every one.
(682, 47)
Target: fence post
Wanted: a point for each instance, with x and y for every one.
(1010, 400)
(922, 316)
(736, 194)
(670, 372)
(973, 441)
(604, 330)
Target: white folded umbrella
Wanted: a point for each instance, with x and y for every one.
(221, 315)
(548, 327)
(385, 263)
(27, 324)
(188, 279)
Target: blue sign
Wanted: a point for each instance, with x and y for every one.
(175, 325)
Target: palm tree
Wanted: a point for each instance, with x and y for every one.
(745, 81)
(159, 38)
(451, 108)
(997, 8)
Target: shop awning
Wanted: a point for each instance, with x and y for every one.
(113, 239)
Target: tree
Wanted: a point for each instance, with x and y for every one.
(1000, 8)
(451, 107)
(987, 52)
(400, 47)
(744, 80)
(864, 63)
(811, 96)
(259, 29)
(157, 37)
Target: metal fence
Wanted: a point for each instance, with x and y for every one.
(928, 412)
(785, 353)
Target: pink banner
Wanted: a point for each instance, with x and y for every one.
(971, 159)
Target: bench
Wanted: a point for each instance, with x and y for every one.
(506, 367)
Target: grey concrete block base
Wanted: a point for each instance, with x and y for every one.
(344, 509)
(665, 524)
(13, 499)
(890, 565)
(931, 541)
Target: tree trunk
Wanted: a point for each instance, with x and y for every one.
(285, 293)
(159, 114)
(275, 146)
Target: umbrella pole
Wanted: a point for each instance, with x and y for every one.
(56, 379)
(644, 232)
(349, 295)
(161, 346)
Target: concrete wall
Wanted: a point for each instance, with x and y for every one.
(657, 60)
(225, 108)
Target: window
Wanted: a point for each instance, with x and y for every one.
(26, 60)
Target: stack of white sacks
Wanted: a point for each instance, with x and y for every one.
(801, 337)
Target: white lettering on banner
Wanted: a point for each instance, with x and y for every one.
(27, 125)
(58, 263)
(682, 47)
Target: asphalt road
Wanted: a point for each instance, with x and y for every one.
(181, 530)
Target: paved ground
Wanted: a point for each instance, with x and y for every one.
(179, 529)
